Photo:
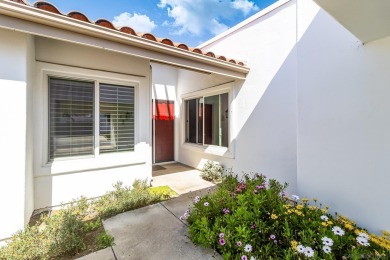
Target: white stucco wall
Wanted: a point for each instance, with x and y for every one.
(66, 179)
(16, 51)
(164, 81)
(312, 111)
(343, 119)
(263, 110)
(29, 195)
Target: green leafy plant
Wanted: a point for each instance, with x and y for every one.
(212, 171)
(92, 225)
(125, 198)
(164, 192)
(253, 219)
(50, 237)
(105, 240)
(63, 232)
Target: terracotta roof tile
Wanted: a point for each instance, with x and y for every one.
(222, 58)
(167, 41)
(128, 30)
(79, 16)
(105, 23)
(148, 36)
(46, 6)
(182, 46)
(210, 54)
(197, 50)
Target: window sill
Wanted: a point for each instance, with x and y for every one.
(82, 164)
(209, 149)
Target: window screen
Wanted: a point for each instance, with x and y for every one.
(70, 118)
(116, 118)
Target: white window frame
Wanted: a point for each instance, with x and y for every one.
(209, 148)
(97, 160)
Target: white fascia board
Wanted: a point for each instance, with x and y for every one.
(244, 23)
(34, 21)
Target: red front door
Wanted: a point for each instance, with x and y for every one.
(163, 131)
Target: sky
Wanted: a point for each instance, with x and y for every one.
(184, 21)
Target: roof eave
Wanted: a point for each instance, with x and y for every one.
(367, 20)
(31, 14)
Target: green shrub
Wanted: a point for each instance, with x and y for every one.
(105, 240)
(212, 171)
(92, 225)
(125, 198)
(62, 234)
(164, 192)
(252, 219)
(51, 237)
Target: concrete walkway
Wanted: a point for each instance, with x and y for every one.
(179, 177)
(156, 231)
(153, 232)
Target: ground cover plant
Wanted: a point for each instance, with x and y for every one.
(212, 171)
(77, 227)
(253, 219)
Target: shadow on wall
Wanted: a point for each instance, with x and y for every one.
(269, 133)
(340, 104)
(264, 115)
(266, 142)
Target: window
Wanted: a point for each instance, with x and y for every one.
(207, 120)
(72, 118)
(116, 118)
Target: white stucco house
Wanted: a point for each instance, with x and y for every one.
(304, 100)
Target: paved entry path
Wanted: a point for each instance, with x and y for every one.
(153, 232)
(179, 177)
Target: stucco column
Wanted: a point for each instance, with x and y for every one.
(15, 163)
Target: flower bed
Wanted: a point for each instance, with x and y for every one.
(77, 227)
(253, 219)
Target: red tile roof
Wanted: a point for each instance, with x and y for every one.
(46, 6)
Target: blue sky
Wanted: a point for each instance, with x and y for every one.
(185, 21)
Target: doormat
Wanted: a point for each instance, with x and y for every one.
(157, 168)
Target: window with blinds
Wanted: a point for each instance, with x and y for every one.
(71, 118)
(116, 110)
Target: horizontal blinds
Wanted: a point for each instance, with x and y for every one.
(116, 126)
(70, 118)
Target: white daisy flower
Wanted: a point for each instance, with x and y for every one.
(309, 252)
(295, 197)
(327, 241)
(248, 248)
(3, 244)
(362, 234)
(327, 249)
(300, 248)
(363, 241)
(253, 258)
(324, 218)
(338, 231)
(197, 199)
